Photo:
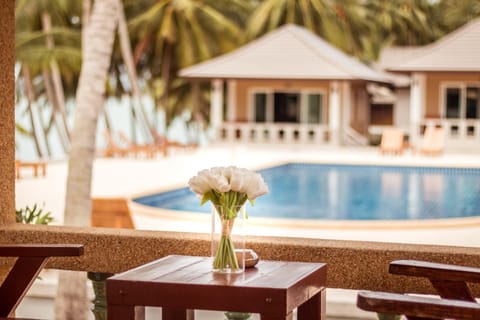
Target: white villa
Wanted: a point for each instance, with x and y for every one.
(292, 86)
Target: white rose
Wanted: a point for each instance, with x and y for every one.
(239, 181)
(256, 187)
(218, 182)
(199, 185)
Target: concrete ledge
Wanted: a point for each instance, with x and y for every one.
(352, 264)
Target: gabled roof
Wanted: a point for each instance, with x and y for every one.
(457, 51)
(289, 52)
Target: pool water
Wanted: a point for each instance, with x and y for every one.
(342, 192)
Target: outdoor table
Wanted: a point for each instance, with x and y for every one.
(181, 284)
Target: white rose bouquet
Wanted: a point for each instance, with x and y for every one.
(227, 188)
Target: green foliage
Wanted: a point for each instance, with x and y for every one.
(33, 215)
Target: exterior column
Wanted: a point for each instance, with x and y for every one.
(7, 112)
(231, 100)
(417, 94)
(216, 106)
(347, 103)
(334, 113)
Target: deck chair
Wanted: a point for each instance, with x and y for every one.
(37, 166)
(113, 148)
(392, 141)
(165, 144)
(30, 260)
(147, 149)
(111, 213)
(417, 307)
(433, 141)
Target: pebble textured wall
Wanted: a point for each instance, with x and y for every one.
(7, 111)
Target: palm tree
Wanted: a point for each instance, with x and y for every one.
(337, 21)
(170, 35)
(452, 14)
(409, 21)
(45, 40)
(89, 103)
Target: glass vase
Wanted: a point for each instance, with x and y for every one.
(228, 238)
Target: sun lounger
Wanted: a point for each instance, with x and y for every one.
(147, 149)
(392, 141)
(164, 144)
(433, 141)
(36, 166)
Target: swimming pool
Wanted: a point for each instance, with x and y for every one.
(344, 192)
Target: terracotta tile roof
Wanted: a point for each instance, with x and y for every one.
(457, 51)
(289, 52)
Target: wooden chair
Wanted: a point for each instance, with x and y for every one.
(417, 307)
(111, 213)
(450, 281)
(392, 141)
(433, 141)
(30, 261)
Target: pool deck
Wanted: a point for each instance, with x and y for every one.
(130, 177)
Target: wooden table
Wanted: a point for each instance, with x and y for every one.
(180, 284)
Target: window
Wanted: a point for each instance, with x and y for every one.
(473, 102)
(314, 108)
(260, 107)
(462, 102)
(288, 107)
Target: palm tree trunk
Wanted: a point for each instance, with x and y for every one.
(127, 56)
(166, 82)
(37, 133)
(55, 114)
(89, 103)
(58, 92)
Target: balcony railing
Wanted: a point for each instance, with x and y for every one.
(461, 132)
(272, 132)
(351, 264)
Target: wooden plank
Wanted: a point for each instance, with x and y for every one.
(18, 281)
(111, 213)
(41, 250)
(416, 306)
(436, 271)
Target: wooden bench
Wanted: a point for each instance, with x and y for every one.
(111, 213)
(35, 165)
(450, 281)
(416, 307)
(30, 261)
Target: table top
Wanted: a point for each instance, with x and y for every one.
(188, 281)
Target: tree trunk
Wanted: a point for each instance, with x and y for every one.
(37, 133)
(58, 92)
(166, 82)
(89, 103)
(127, 56)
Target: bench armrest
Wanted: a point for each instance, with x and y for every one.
(434, 271)
(41, 250)
(416, 306)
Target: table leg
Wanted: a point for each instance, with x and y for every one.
(119, 312)
(314, 308)
(177, 314)
(276, 317)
